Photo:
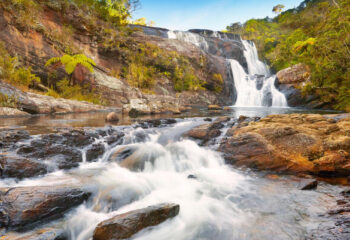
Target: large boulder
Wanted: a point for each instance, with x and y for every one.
(296, 74)
(296, 143)
(23, 206)
(125, 225)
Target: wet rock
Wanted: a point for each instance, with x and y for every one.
(295, 143)
(307, 184)
(94, 152)
(65, 157)
(150, 123)
(21, 207)
(62, 148)
(115, 138)
(125, 225)
(133, 158)
(191, 176)
(18, 167)
(10, 137)
(207, 132)
(242, 118)
(112, 117)
(42, 234)
(214, 107)
(208, 119)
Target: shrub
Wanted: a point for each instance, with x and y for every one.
(12, 73)
(79, 93)
(6, 101)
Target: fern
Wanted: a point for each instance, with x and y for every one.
(70, 62)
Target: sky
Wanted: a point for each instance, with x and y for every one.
(206, 14)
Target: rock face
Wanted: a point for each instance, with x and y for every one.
(295, 75)
(36, 47)
(126, 225)
(290, 81)
(27, 205)
(295, 143)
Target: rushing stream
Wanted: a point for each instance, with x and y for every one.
(217, 201)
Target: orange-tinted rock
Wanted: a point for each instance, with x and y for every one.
(112, 117)
(297, 143)
(214, 107)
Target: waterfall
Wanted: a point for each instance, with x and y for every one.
(255, 88)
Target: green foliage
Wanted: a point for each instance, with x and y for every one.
(70, 62)
(278, 8)
(149, 62)
(6, 101)
(12, 72)
(317, 35)
(79, 93)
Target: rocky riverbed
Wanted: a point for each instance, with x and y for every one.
(144, 181)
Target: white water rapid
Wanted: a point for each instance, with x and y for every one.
(255, 88)
(217, 202)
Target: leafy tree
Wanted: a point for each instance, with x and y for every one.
(278, 8)
(235, 27)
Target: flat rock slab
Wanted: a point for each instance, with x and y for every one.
(126, 225)
(12, 112)
(23, 206)
(291, 143)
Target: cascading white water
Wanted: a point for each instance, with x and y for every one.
(255, 88)
(218, 202)
(255, 66)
